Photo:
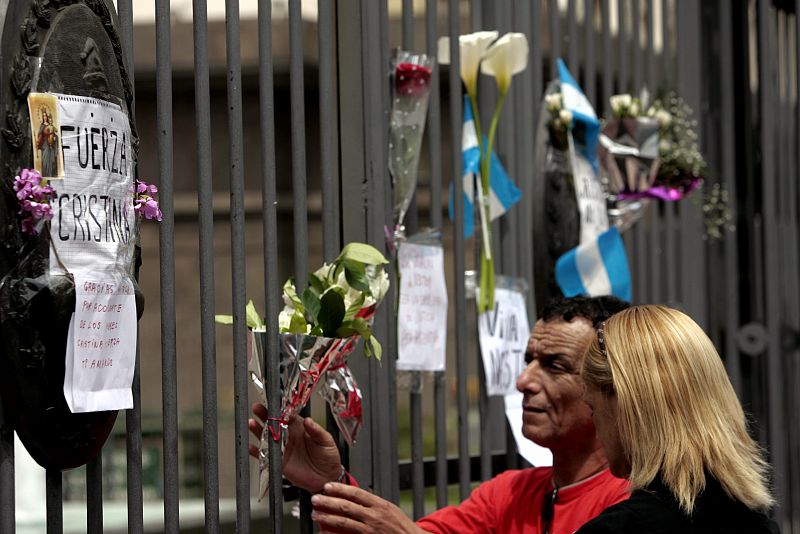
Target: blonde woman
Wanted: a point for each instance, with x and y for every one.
(671, 424)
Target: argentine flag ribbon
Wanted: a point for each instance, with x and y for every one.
(502, 192)
(596, 268)
(585, 124)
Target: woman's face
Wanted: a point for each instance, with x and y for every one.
(605, 415)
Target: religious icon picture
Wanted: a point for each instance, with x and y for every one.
(45, 135)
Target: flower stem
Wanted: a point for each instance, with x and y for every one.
(486, 301)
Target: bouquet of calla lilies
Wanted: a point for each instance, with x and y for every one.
(501, 58)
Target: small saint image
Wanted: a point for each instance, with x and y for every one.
(45, 128)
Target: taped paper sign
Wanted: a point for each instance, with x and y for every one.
(590, 196)
(93, 225)
(422, 312)
(503, 335)
(83, 145)
(101, 346)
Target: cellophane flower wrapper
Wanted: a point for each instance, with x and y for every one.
(628, 153)
(411, 74)
(306, 363)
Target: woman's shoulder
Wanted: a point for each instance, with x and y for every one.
(645, 511)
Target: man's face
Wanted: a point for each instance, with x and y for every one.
(554, 414)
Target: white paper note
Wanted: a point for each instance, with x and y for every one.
(503, 335)
(422, 312)
(536, 455)
(101, 347)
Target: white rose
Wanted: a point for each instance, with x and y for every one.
(565, 116)
(553, 101)
(663, 117)
(633, 110)
(620, 103)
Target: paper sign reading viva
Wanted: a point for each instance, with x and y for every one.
(503, 335)
(422, 313)
(101, 349)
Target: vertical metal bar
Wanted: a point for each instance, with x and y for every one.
(167, 265)
(434, 126)
(54, 500)
(329, 162)
(690, 78)
(415, 394)
(623, 48)
(536, 89)
(238, 281)
(270, 231)
(555, 35)
(640, 231)
(590, 40)
(133, 417)
(435, 158)
(777, 445)
(572, 38)
(608, 60)
(454, 82)
(329, 140)
(299, 184)
(7, 506)
(206, 243)
(94, 495)
(654, 238)
(407, 23)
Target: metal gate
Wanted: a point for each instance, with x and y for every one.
(275, 191)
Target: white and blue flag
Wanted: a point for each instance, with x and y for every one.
(585, 124)
(596, 268)
(502, 192)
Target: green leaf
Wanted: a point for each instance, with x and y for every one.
(377, 350)
(316, 331)
(224, 319)
(331, 312)
(355, 307)
(290, 291)
(298, 324)
(316, 283)
(357, 326)
(363, 253)
(355, 275)
(253, 318)
(311, 304)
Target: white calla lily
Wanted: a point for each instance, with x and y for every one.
(472, 48)
(506, 57)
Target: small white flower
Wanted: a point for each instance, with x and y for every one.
(633, 109)
(664, 146)
(565, 116)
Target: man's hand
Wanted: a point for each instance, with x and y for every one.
(343, 508)
(310, 459)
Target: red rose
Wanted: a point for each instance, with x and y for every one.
(411, 80)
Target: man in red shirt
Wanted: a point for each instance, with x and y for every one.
(552, 500)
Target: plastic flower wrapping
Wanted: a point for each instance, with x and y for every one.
(411, 75)
(319, 329)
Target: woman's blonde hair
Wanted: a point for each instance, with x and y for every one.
(679, 418)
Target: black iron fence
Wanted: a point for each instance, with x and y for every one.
(736, 63)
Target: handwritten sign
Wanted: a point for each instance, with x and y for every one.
(422, 312)
(591, 199)
(101, 345)
(503, 335)
(93, 224)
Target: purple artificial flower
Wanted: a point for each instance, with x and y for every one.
(144, 202)
(34, 195)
